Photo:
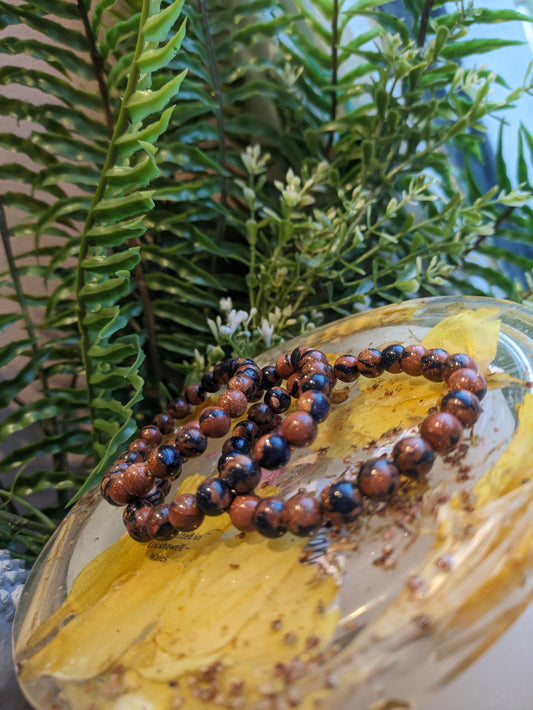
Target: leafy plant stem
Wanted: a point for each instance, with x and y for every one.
(334, 70)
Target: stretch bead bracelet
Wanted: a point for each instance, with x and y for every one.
(141, 476)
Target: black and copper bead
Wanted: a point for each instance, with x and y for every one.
(248, 429)
(268, 517)
(214, 422)
(467, 379)
(191, 441)
(272, 451)
(457, 361)
(312, 356)
(240, 444)
(213, 496)
(299, 428)
(342, 502)
(233, 402)
(432, 362)
(297, 354)
(413, 456)
(345, 368)
(208, 383)
(138, 479)
(314, 403)
(284, 367)
(378, 479)
(244, 384)
(463, 404)
(165, 461)
(164, 422)
(241, 511)
(241, 473)
(411, 358)
(391, 358)
(278, 399)
(319, 381)
(369, 363)
(261, 414)
(158, 525)
(152, 434)
(302, 514)
(179, 408)
(222, 371)
(134, 517)
(270, 377)
(442, 431)
(184, 513)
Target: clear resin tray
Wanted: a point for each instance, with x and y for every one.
(392, 611)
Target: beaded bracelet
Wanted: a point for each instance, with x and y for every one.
(141, 476)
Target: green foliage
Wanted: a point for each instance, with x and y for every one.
(203, 178)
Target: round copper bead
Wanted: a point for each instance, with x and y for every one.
(272, 451)
(432, 362)
(467, 379)
(128, 456)
(325, 368)
(138, 479)
(113, 489)
(410, 359)
(463, 404)
(191, 441)
(248, 429)
(283, 366)
(141, 446)
(293, 384)
(244, 384)
(345, 368)
(213, 496)
(239, 444)
(261, 414)
(184, 514)
(378, 479)
(178, 408)
(158, 524)
(270, 377)
(241, 511)
(208, 383)
(165, 461)
(135, 516)
(298, 353)
(268, 517)
(457, 361)
(278, 399)
(315, 381)
(214, 422)
(302, 514)
(222, 371)
(442, 431)
(233, 402)
(369, 363)
(154, 496)
(241, 473)
(194, 394)
(299, 428)
(164, 422)
(314, 403)
(342, 502)
(312, 356)
(390, 358)
(413, 456)
(152, 434)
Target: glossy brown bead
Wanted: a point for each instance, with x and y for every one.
(345, 368)
(390, 358)
(369, 362)
(208, 383)
(239, 444)
(179, 408)
(315, 381)
(299, 428)
(241, 473)
(270, 377)
(138, 479)
(457, 361)
(378, 479)
(214, 422)
(432, 362)
(152, 434)
(194, 394)
(442, 431)
(127, 457)
(413, 456)
(261, 414)
(164, 422)
(135, 516)
(283, 366)
(252, 371)
(248, 429)
(318, 366)
(272, 451)
(241, 511)
(268, 517)
(313, 356)
(184, 514)
(463, 404)
(302, 514)
(141, 446)
(243, 384)
(213, 496)
(233, 402)
(293, 384)
(314, 403)
(278, 399)
(165, 461)
(467, 379)
(191, 441)
(342, 502)
(114, 490)
(410, 359)
(298, 353)
(158, 525)
(154, 496)
(222, 371)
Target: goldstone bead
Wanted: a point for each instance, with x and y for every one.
(410, 359)
(184, 513)
(302, 514)
(443, 431)
(369, 363)
(342, 502)
(378, 479)
(268, 517)
(463, 404)
(413, 456)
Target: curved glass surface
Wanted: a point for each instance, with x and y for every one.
(383, 613)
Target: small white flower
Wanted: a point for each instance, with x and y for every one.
(226, 304)
(267, 331)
